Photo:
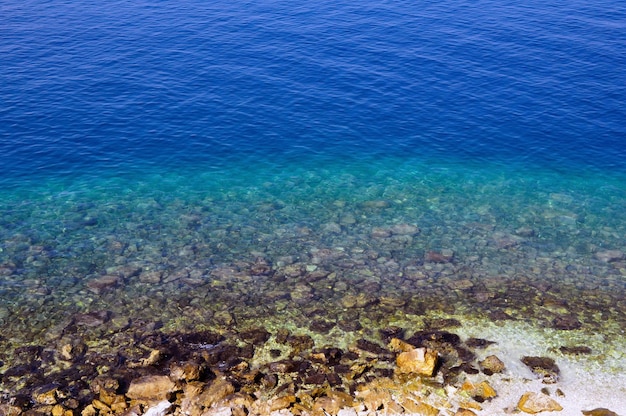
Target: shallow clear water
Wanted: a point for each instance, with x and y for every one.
(186, 147)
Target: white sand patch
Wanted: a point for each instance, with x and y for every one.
(586, 381)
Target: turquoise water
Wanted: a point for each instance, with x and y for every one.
(517, 237)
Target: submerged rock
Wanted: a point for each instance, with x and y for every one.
(609, 256)
(582, 349)
(100, 284)
(544, 367)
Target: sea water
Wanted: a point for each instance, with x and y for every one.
(456, 158)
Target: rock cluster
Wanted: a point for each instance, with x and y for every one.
(255, 372)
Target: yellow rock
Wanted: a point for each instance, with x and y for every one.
(283, 402)
(471, 405)
(411, 405)
(398, 345)
(150, 388)
(46, 394)
(58, 410)
(485, 391)
(89, 411)
(418, 360)
(532, 403)
(100, 406)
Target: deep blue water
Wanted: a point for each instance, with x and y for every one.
(110, 88)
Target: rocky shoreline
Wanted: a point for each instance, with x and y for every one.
(142, 370)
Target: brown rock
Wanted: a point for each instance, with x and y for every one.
(464, 412)
(544, 367)
(150, 388)
(600, 411)
(608, 256)
(187, 371)
(104, 382)
(492, 365)
(216, 391)
(532, 403)
(282, 402)
(99, 284)
(418, 360)
(9, 410)
(443, 256)
(151, 276)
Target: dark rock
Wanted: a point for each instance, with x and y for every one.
(92, 319)
(478, 343)
(300, 343)
(202, 338)
(22, 401)
(274, 353)
(247, 351)
(284, 366)
(28, 353)
(499, 315)
(342, 368)
(464, 354)
(334, 379)
(543, 367)
(256, 336)
(575, 350)
(22, 370)
(384, 372)
(321, 326)
(442, 323)
(316, 377)
(426, 338)
(468, 369)
(566, 322)
(391, 332)
(269, 381)
(104, 383)
(282, 335)
(372, 347)
(349, 325)
(333, 355)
